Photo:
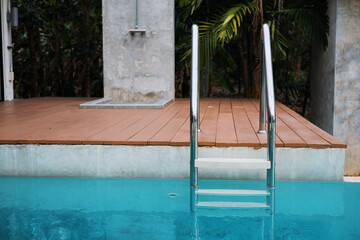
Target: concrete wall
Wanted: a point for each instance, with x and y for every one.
(347, 81)
(163, 162)
(6, 53)
(139, 67)
(336, 90)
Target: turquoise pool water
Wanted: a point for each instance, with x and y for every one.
(55, 208)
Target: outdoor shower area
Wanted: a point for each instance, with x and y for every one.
(139, 54)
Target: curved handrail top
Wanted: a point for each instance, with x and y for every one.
(269, 72)
(194, 72)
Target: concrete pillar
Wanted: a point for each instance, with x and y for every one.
(336, 80)
(6, 53)
(139, 67)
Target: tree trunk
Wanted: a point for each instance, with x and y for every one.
(244, 67)
(307, 89)
(41, 79)
(255, 44)
(205, 76)
(33, 63)
(277, 70)
(255, 66)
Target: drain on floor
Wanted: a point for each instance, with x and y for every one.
(173, 195)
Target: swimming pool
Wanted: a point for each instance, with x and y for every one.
(57, 208)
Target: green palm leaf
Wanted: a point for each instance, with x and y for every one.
(190, 5)
(313, 21)
(227, 27)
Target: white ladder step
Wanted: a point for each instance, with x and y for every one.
(232, 192)
(232, 205)
(238, 163)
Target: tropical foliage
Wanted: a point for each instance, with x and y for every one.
(229, 44)
(58, 48)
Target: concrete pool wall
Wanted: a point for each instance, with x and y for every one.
(126, 161)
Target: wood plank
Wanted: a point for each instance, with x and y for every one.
(81, 124)
(289, 139)
(21, 111)
(335, 143)
(123, 135)
(164, 136)
(27, 131)
(312, 140)
(254, 121)
(209, 124)
(253, 116)
(59, 120)
(288, 136)
(245, 133)
(97, 130)
(278, 141)
(143, 137)
(106, 135)
(248, 106)
(225, 134)
(225, 106)
(182, 137)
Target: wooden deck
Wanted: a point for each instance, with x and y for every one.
(224, 123)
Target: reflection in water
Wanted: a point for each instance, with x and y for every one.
(137, 225)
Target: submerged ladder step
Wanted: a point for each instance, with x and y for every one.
(232, 205)
(232, 192)
(238, 163)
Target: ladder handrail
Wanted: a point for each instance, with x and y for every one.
(267, 102)
(267, 79)
(267, 98)
(194, 113)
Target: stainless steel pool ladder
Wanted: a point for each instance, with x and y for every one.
(267, 99)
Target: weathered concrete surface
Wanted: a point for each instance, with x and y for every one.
(302, 164)
(347, 82)
(139, 67)
(336, 95)
(109, 103)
